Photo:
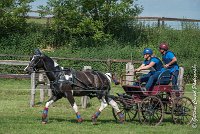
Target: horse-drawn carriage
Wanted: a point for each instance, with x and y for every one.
(151, 106)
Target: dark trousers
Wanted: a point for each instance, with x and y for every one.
(175, 79)
(150, 78)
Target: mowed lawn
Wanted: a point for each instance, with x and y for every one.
(16, 117)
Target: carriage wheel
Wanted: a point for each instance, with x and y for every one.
(182, 110)
(128, 112)
(151, 111)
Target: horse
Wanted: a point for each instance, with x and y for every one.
(68, 83)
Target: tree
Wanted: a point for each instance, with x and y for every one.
(12, 16)
(93, 19)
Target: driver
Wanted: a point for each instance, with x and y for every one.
(153, 63)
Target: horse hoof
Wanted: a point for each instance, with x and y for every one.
(121, 122)
(80, 120)
(44, 122)
(94, 121)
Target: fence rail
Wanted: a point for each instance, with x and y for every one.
(19, 62)
(160, 20)
(166, 19)
(15, 76)
(14, 62)
(108, 62)
(149, 18)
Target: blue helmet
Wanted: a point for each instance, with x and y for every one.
(148, 51)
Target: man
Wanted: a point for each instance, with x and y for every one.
(149, 63)
(170, 61)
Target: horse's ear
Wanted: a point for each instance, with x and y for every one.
(38, 52)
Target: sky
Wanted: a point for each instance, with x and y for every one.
(159, 8)
(171, 8)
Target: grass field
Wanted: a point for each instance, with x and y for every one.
(16, 117)
(37, 21)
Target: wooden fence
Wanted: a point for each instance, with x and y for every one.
(161, 20)
(107, 61)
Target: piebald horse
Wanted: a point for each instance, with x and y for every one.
(68, 83)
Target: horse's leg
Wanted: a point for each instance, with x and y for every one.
(103, 106)
(98, 112)
(116, 108)
(74, 106)
(45, 111)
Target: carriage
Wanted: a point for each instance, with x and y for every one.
(151, 106)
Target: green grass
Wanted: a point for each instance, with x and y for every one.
(16, 117)
(38, 21)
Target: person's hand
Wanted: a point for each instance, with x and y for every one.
(166, 66)
(137, 70)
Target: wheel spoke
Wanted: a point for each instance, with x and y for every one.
(151, 110)
(125, 115)
(187, 118)
(156, 105)
(183, 110)
(129, 115)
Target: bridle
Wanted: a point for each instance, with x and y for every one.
(40, 59)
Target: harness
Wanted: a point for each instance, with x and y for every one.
(93, 90)
(75, 82)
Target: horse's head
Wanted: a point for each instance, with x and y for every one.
(36, 62)
(112, 77)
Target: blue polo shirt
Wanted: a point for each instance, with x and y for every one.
(158, 66)
(167, 58)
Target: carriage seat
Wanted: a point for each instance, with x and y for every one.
(164, 78)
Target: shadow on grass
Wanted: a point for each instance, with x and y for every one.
(88, 121)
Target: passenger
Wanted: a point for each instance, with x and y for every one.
(150, 62)
(170, 62)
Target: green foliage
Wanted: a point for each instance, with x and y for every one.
(101, 29)
(35, 36)
(12, 16)
(184, 43)
(89, 20)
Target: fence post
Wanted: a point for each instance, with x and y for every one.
(129, 73)
(163, 22)
(49, 92)
(42, 83)
(85, 99)
(109, 63)
(158, 22)
(33, 83)
(180, 79)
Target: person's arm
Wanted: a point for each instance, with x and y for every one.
(145, 67)
(138, 69)
(171, 56)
